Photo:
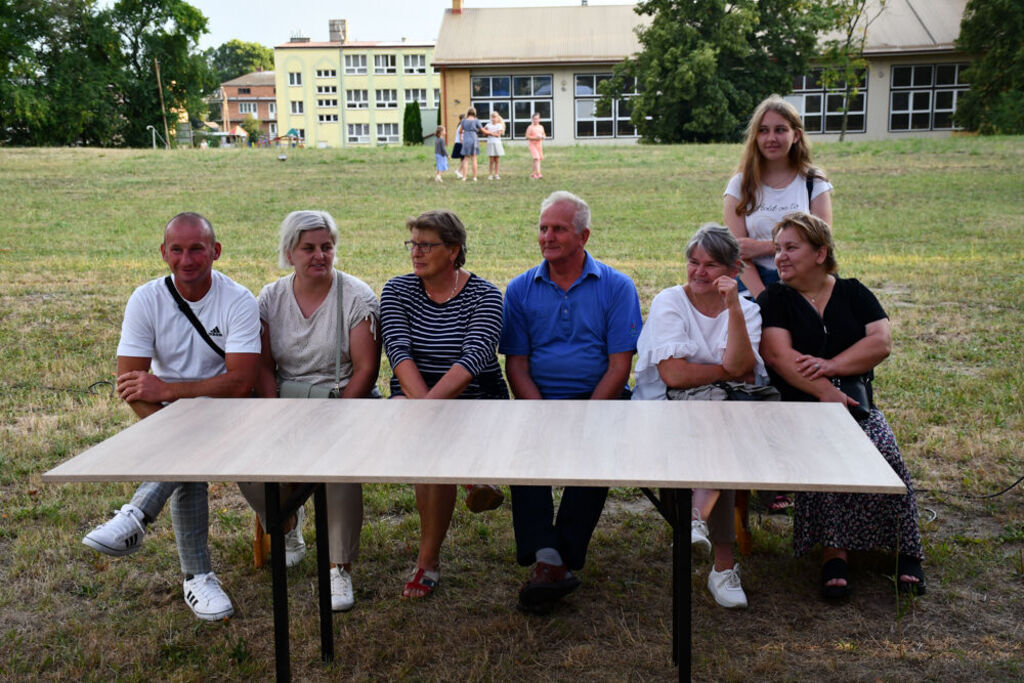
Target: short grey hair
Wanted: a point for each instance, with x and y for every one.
(580, 219)
(298, 222)
(718, 243)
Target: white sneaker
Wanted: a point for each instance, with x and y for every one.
(206, 598)
(458, 174)
(490, 177)
(497, 177)
(294, 543)
(122, 535)
(699, 532)
(725, 587)
(342, 598)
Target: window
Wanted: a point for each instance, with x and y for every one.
(248, 108)
(924, 96)
(244, 91)
(593, 121)
(297, 107)
(416, 95)
(822, 110)
(327, 103)
(357, 99)
(437, 97)
(327, 118)
(355, 64)
(294, 78)
(326, 89)
(358, 132)
(273, 111)
(516, 98)
(384, 64)
(387, 132)
(273, 130)
(386, 99)
(326, 73)
(415, 64)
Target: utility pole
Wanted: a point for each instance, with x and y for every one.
(163, 112)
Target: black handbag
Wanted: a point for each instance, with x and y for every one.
(857, 387)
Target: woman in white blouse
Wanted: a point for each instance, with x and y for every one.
(698, 334)
(299, 313)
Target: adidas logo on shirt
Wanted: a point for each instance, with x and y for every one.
(215, 332)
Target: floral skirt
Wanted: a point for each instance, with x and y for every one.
(862, 521)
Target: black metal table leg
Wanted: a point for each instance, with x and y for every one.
(681, 582)
(275, 522)
(323, 566)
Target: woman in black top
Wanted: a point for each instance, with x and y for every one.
(440, 325)
(818, 328)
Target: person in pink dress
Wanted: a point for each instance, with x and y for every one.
(535, 135)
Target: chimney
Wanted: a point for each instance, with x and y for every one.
(339, 30)
(456, 6)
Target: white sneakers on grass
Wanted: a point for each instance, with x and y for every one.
(121, 535)
(206, 598)
(342, 597)
(294, 543)
(725, 587)
(699, 532)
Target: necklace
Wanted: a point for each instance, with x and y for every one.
(821, 290)
(451, 295)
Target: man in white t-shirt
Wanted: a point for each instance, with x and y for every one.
(163, 356)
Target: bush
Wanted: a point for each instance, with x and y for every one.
(412, 126)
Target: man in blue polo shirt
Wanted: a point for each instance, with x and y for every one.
(570, 330)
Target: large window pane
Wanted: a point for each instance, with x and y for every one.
(481, 87)
(920, 121)
(922, 76)
(542, 86)
(500, 86)
(945, 74)
(584, 85)
(522, 86)
(901, 76)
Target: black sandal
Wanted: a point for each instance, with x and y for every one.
(836, 568)
(910, 566)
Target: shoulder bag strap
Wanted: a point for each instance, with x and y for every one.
(810, 188)
(339, 278)
(187, 310)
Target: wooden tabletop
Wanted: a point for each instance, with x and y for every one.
(713, 444)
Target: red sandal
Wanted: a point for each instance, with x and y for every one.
(424, 581)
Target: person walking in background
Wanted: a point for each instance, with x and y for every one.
(774, 178)
(440, 153)
(460, 172)
(535, 135)
(495, 150)
(471, 128)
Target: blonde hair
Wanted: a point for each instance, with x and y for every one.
(751, 162)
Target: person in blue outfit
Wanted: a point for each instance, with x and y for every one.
(570, 327)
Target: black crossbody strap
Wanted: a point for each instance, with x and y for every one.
(810, 189)
(187, 310)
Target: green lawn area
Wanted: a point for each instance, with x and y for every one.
(935, 228)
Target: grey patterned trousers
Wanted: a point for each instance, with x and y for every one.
(190, 515)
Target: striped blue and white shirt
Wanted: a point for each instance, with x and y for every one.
(463, 331)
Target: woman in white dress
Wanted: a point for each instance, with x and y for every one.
(495, 150)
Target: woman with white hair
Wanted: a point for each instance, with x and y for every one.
(700, 334)
(301, 338)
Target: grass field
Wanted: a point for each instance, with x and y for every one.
(935, 228)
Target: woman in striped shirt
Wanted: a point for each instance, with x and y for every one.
(440, 325)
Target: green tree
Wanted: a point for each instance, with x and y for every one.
(706, 64)
(236, 58)
(167, 31)
(993, 30)
(843, 63)
(412, 125)
(23, 26)
(251, 125)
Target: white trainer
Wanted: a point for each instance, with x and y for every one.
(458, 174)
(699, 531)
(206, 598)
(342, 597)
(725, 587)
(121, 535)
(294, 543)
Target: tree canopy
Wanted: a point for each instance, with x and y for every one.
(706, 64)
(236, 58)
(994, 31)
(73, 73)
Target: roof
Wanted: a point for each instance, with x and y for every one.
(538, 35)
(914, 26)
(358, 45)
(254, 78)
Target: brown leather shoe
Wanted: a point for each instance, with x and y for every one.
(483, 497)
(547, 584)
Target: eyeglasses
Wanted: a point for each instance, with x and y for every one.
(424, 247)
